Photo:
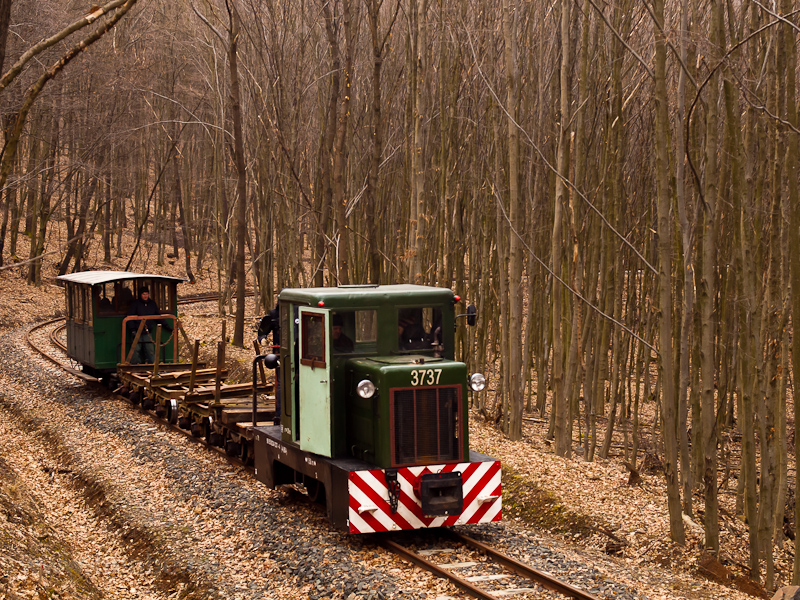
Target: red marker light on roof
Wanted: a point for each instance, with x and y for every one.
(456, 298)
(321, 303)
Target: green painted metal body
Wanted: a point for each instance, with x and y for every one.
(371, 422)
(364, 428)
(315, 396)
(97, 302)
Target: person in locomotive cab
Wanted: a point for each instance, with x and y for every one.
(341, 343)
(411, 333)
(144, 306)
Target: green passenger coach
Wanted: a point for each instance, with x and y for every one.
(97, 303)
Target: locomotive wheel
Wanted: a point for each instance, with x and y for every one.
(314, 489)
(232, 448)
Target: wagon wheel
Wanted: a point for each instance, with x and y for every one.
(172, 411)
(208, 429)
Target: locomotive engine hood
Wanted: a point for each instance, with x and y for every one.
(408, 409)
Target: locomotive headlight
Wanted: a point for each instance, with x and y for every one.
(477, 382)
(365, 388)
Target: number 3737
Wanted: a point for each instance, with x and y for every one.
(425, 376)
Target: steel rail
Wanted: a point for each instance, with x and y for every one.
(190, 299)
(512, 564)
(54, 337)
(431, 567)
(231, 459)
(540, 577)
(52, 359)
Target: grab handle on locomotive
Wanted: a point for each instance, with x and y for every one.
(270, 361)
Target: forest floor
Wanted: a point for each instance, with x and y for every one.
(591, 506)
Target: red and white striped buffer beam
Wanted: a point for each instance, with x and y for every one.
(371, 509)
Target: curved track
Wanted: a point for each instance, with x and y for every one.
(54, 339)
(57, 343)
(56, 332)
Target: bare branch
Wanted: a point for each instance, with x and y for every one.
(88, 19)
(543, 158)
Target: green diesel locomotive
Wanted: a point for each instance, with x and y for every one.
(374, 417)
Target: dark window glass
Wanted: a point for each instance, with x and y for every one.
(313, 342)
(420, 330)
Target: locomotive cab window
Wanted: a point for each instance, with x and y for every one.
(420, 330)
(354, 331)
(312, 346)
(366, 327)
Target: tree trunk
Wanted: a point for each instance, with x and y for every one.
(706, 298)
(241, 173)
(665, 352)
(563, 443)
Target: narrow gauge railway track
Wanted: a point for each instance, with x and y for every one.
(488, 572)
(57, 343)
(53, 335)
(520, 572)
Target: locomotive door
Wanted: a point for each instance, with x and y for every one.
(314, 379)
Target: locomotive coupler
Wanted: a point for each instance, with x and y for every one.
(393, 487)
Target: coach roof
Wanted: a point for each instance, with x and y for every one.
(97, 277)
(368, 295)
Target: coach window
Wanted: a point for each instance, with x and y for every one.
(105, 298)
(70, 310)
(159, 293)
(124, 295)
(76, 295)
(312, 352)
(87, 305)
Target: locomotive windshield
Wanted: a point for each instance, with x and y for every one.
(420, 330)
(354, 331)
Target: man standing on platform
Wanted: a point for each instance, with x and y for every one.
(144, 306)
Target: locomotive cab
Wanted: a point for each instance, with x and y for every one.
(397, 339)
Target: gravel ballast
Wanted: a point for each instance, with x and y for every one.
(167, 517)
